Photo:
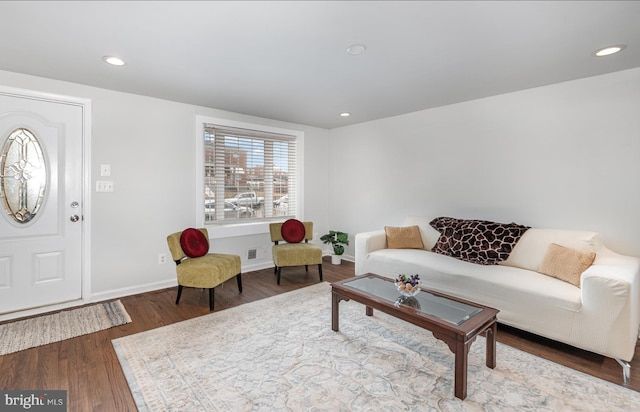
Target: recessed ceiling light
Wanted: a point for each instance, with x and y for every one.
(356, 49)
(609, 50)
(345, 114)
(116, 61)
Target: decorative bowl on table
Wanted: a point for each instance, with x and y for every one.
(408, 285)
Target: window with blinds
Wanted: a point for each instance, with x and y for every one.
(251, 173)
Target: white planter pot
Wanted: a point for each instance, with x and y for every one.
(336, 259)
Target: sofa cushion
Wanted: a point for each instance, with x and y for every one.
(566, 264)
(476, 241)
(495, 286)
(532, 247)
(428, 234)
(405, 237)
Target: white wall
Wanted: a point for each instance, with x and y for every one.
(150, 146)
(561, 156)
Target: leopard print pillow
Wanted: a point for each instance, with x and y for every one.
(476, 241)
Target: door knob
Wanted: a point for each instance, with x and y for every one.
(74, 218)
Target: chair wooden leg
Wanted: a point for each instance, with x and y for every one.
(320, 270)
(239, 279)
(278, 275)
(306, 268)
(179, 293)
(211, 299)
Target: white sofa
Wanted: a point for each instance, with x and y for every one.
(601, 316)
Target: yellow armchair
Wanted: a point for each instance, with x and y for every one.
(297, 250)
(206, 271)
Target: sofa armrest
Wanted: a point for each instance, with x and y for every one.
(611, 292)
(366, 243)
(617, 268)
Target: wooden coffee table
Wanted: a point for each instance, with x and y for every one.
(455, 321)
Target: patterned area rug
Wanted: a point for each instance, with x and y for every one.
(281, 354)
(42, 330)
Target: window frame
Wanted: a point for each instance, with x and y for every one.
(232, 229)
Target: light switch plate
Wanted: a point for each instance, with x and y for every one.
(104, 186)
(105, 170)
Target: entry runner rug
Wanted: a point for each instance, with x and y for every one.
(42, 330)
(280, 354)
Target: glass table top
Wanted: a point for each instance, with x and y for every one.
(445, 309)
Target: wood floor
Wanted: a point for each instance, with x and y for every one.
(87, 366)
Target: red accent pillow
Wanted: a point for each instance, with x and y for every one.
(194, 243)
(293, 231)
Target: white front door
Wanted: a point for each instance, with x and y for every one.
(41, 202)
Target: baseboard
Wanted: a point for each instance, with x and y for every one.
(94, 298)
(150, 287)
(267, 265)
(257, 266)
(118, 293)
(133, 290)
(348, 258)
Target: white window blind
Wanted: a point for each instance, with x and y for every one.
(251, 172)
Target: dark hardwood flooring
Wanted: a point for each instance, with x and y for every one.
(87, 366)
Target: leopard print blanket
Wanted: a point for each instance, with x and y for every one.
(476, 241)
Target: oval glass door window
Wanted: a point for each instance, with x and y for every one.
(23, 175)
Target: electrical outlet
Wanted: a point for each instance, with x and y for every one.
(162, 258)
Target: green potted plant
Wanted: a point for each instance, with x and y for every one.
(337, 240)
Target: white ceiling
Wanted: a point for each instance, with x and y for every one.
(288, 60)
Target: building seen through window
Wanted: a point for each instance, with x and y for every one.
(251, 173)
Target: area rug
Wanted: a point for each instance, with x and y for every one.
(67, 324)
(280, 354)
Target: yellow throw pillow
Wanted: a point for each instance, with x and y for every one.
(405, 237)
(566, 264)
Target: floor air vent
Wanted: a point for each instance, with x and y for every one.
(253, 253)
